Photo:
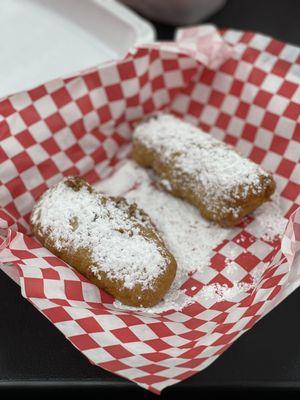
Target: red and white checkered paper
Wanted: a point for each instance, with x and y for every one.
(240, 86)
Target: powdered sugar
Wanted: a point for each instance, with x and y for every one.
(191, 238)
(88, 220)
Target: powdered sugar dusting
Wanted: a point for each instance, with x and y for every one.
(88, 220)
(215, 168)
(191, 238)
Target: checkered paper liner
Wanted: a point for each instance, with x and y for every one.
(241, 87)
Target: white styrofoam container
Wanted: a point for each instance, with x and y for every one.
(45, 39)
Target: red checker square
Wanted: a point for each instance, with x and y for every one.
(218, 262)
(229, 66)
(221, 280)
(152, 368)
(160, 329)
(207, 76)
(285, 168)
(157, 344)
(195, 108)
(222, 306)
(125, 335)
(229, 139)
(225, 339)
(279, 144)
(194, 323)
(92, 80)
(84, 342)
(170, 65)
(242, 110)
(193, 335)
(220, 318)
(270, 121)
(246, 37)
(257, 76)
(50, 273)
(223, 120)
(251, 55)
(236, 87)
(126, 70)
(48, 169)
(287, 89)
(11, 208)
(272, 282)
(292, 111)
(55, 122)
(25, 139)
(156, 357)
(114, 92)
(31, 243)
(193, 309)
(57, 314)
(247, 261)
(23, 254)
(252, 321)
(85, 104)
(16, 187)
(104, 114)
(37, 93)
(191, 364)
(78, 129)
(244, 239)
(3, 215)
(50, 146)
(34, 287)
(150, 379)
(36, 192)
(148, 106)
(22, 161)
(30, 115)
(61, 97)
(274, 293)
(3, 155)
(281, 67)
(130, 320)
(113, 366)
(296, 135)
(253, 309)
(257, 155)
(143, 79)
(4, 130)
(118, 351)
(223, 328)
(132, 101)
(158, 83)
(75, 153)
(71, 171)
(262, 98)
(291, 191)
(89, 324)
(193, 353)
(6, 108)
(216, 98)
(73, 290)
(185, 375)
(275, 47)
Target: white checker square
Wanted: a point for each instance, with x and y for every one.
(265, 61)
(236, 126)
(249, 92)
(173, 79)
(231, 250)
(40, 131)
(160, 98)
(260, 249)
(24, 203)
(45, 106)
(138, 347)
(201, 93)
(117, 108)
(222, 82)
(91, 121)
(20, 101)
(205, 276)
(89, 143)
(110, 322)
(294, 74)
(263, 138)
(130, 87)
(54, 85)
(98, 355)
(98, 97)
(11, 146)
(37, 154)
(62, 161)
(77, 88)
(71, 328)
(155, 69)
(230, 104)
(105, 338)
(277, 104)
(16, 123)
(255, 115)
(295, 177)
(289, 53)
(110, 147)
(31, 178)
(245, 147)
(243, 70)
(8, 171)
(271, 161)
(286, 127)
(143, 332)
(259, 42)
(292, 151)
(70, 113)
(65, 138)
(272, 83)
(109, 75)
(209, 115)
(132, 373)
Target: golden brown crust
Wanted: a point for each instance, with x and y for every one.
(182, 186)
(81, 260)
